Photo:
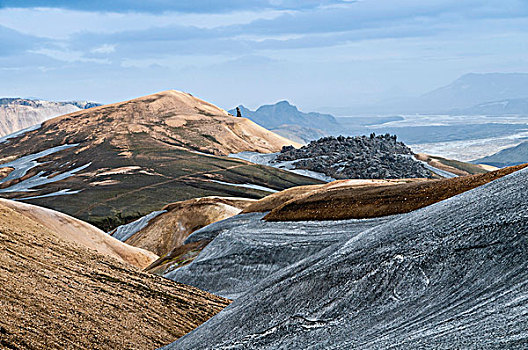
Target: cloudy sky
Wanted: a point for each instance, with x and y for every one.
(316, 54)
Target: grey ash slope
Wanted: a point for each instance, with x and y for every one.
(452, 275)
(245, 250)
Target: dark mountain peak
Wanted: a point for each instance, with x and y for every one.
(287, 120)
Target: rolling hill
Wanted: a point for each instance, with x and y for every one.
(57, 294)
(341, 201)
(115, 163)
(507, 157)
(81, 233)
(176, 221)
(288, 226)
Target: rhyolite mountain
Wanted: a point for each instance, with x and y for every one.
(114, 163)
(20, 113)
(286, 119)
(450, 275)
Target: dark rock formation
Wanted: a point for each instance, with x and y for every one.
(360, 157)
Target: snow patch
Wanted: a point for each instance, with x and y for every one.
(124, 232)
(58, 193)
(256, 187)
(23, 164)
(18, 133)
(268, 159)
(28, 185)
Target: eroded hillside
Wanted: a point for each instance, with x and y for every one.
(56, 295)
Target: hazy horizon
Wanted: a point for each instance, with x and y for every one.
(317, 55)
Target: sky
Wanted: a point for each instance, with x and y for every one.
(319, 55)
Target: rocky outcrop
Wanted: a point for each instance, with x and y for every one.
(360, 157)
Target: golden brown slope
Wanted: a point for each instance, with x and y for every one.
(58, 295)
(454, 166)
(172, 117)
(80, 232)
(275, 200)
(168, 230)
(374, 201)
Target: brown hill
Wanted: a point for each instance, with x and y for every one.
(454, 166)
(345, 202)
(172, 117)
(275, 200)
(168, 230)
(82, 233)
(59, 295)
(112, 164)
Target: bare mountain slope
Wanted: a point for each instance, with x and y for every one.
(82, 233)
(176, 221)
(358, 202)
(115, 163)
(59, 295)
(453, 275)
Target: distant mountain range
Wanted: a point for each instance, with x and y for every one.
(468, 91)
(474, 89)
(285, 119)
(19, 113)
(518, 106)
